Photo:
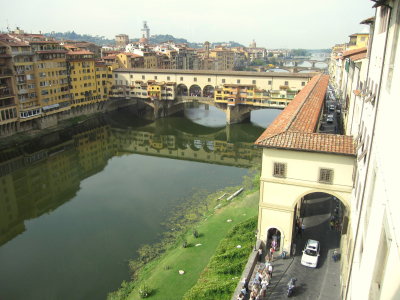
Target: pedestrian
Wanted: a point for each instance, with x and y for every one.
(303, 227)
(300, 231)
(260, 254)
(273, 244)
(270, 269)
(271, 251)
(243, 290)
(331, 224)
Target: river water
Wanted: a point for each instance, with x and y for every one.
(76, 204)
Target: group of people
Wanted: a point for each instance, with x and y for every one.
(334, 222)
(258, 288)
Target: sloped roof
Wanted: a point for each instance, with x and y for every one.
(295, 128)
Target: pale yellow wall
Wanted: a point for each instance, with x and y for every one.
(267, 83)
(279, 196)
(303, 169)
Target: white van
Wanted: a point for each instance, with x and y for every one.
(310, 254)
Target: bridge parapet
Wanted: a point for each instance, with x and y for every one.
(194, 99)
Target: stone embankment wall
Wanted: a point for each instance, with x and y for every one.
(54, 119)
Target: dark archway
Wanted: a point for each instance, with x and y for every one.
(195, 91)
(208, 91)
(321, 217)
(274, 239)
(182, 90)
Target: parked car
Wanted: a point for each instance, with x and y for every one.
(329, 118)
(332, 107)
(310, 254)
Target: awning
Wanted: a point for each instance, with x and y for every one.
(51, 106)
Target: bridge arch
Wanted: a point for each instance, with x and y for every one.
(195, 90)
(208, 91)
(182, 90)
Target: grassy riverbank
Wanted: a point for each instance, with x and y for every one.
(161, 274)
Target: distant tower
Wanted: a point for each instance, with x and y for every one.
(207, 48)
(121, 40)
(253, 44)
(145, 31)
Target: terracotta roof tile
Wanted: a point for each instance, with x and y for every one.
(295, 127)
(79, 52)
(354, 51)
(358, 56)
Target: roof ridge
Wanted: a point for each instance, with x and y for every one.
(301, 105)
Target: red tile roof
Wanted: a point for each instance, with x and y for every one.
(294, 128)
(80, 52)
(349, 53)
(358, 56)
(109, 57)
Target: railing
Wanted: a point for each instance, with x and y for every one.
(15, 53)
(194, 98)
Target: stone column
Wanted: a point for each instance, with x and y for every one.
(237, 114)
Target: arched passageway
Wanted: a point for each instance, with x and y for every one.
(321, 217)
(208, 91)
(195, 91)
(274, 239)
(182, 90)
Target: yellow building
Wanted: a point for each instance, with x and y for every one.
(81, 69)
(234, 94)
(224, 59)
(51, 76)
(358, 40)
(130, 60)
(104, 80)
(150, 60)
(8, 99)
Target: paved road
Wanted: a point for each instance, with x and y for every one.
(322, 282)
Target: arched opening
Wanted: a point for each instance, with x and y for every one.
(274, 238)
(320, 217)
(208, 91)
(182, 90)
(195, 91)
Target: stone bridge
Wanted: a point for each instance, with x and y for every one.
(199, 86)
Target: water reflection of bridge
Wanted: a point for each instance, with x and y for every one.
(41, 175)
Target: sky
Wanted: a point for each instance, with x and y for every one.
(309, 24)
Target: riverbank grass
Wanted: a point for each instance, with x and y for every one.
(162, 275)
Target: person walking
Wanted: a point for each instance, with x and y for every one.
(260, 254)
(270, 268)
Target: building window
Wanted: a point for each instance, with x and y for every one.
(209, 79)
(286, 82)
(238, 81)
(168, 78)
(254, 82)
(195, 79)
(279, 170)
(223, 80)
(325, 175)
(181, 78)
(269, 82)
(303, 83)
(115, 75)
(155, 77)
(131, 76)
(143, 77)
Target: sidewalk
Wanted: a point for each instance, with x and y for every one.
(280, 267)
